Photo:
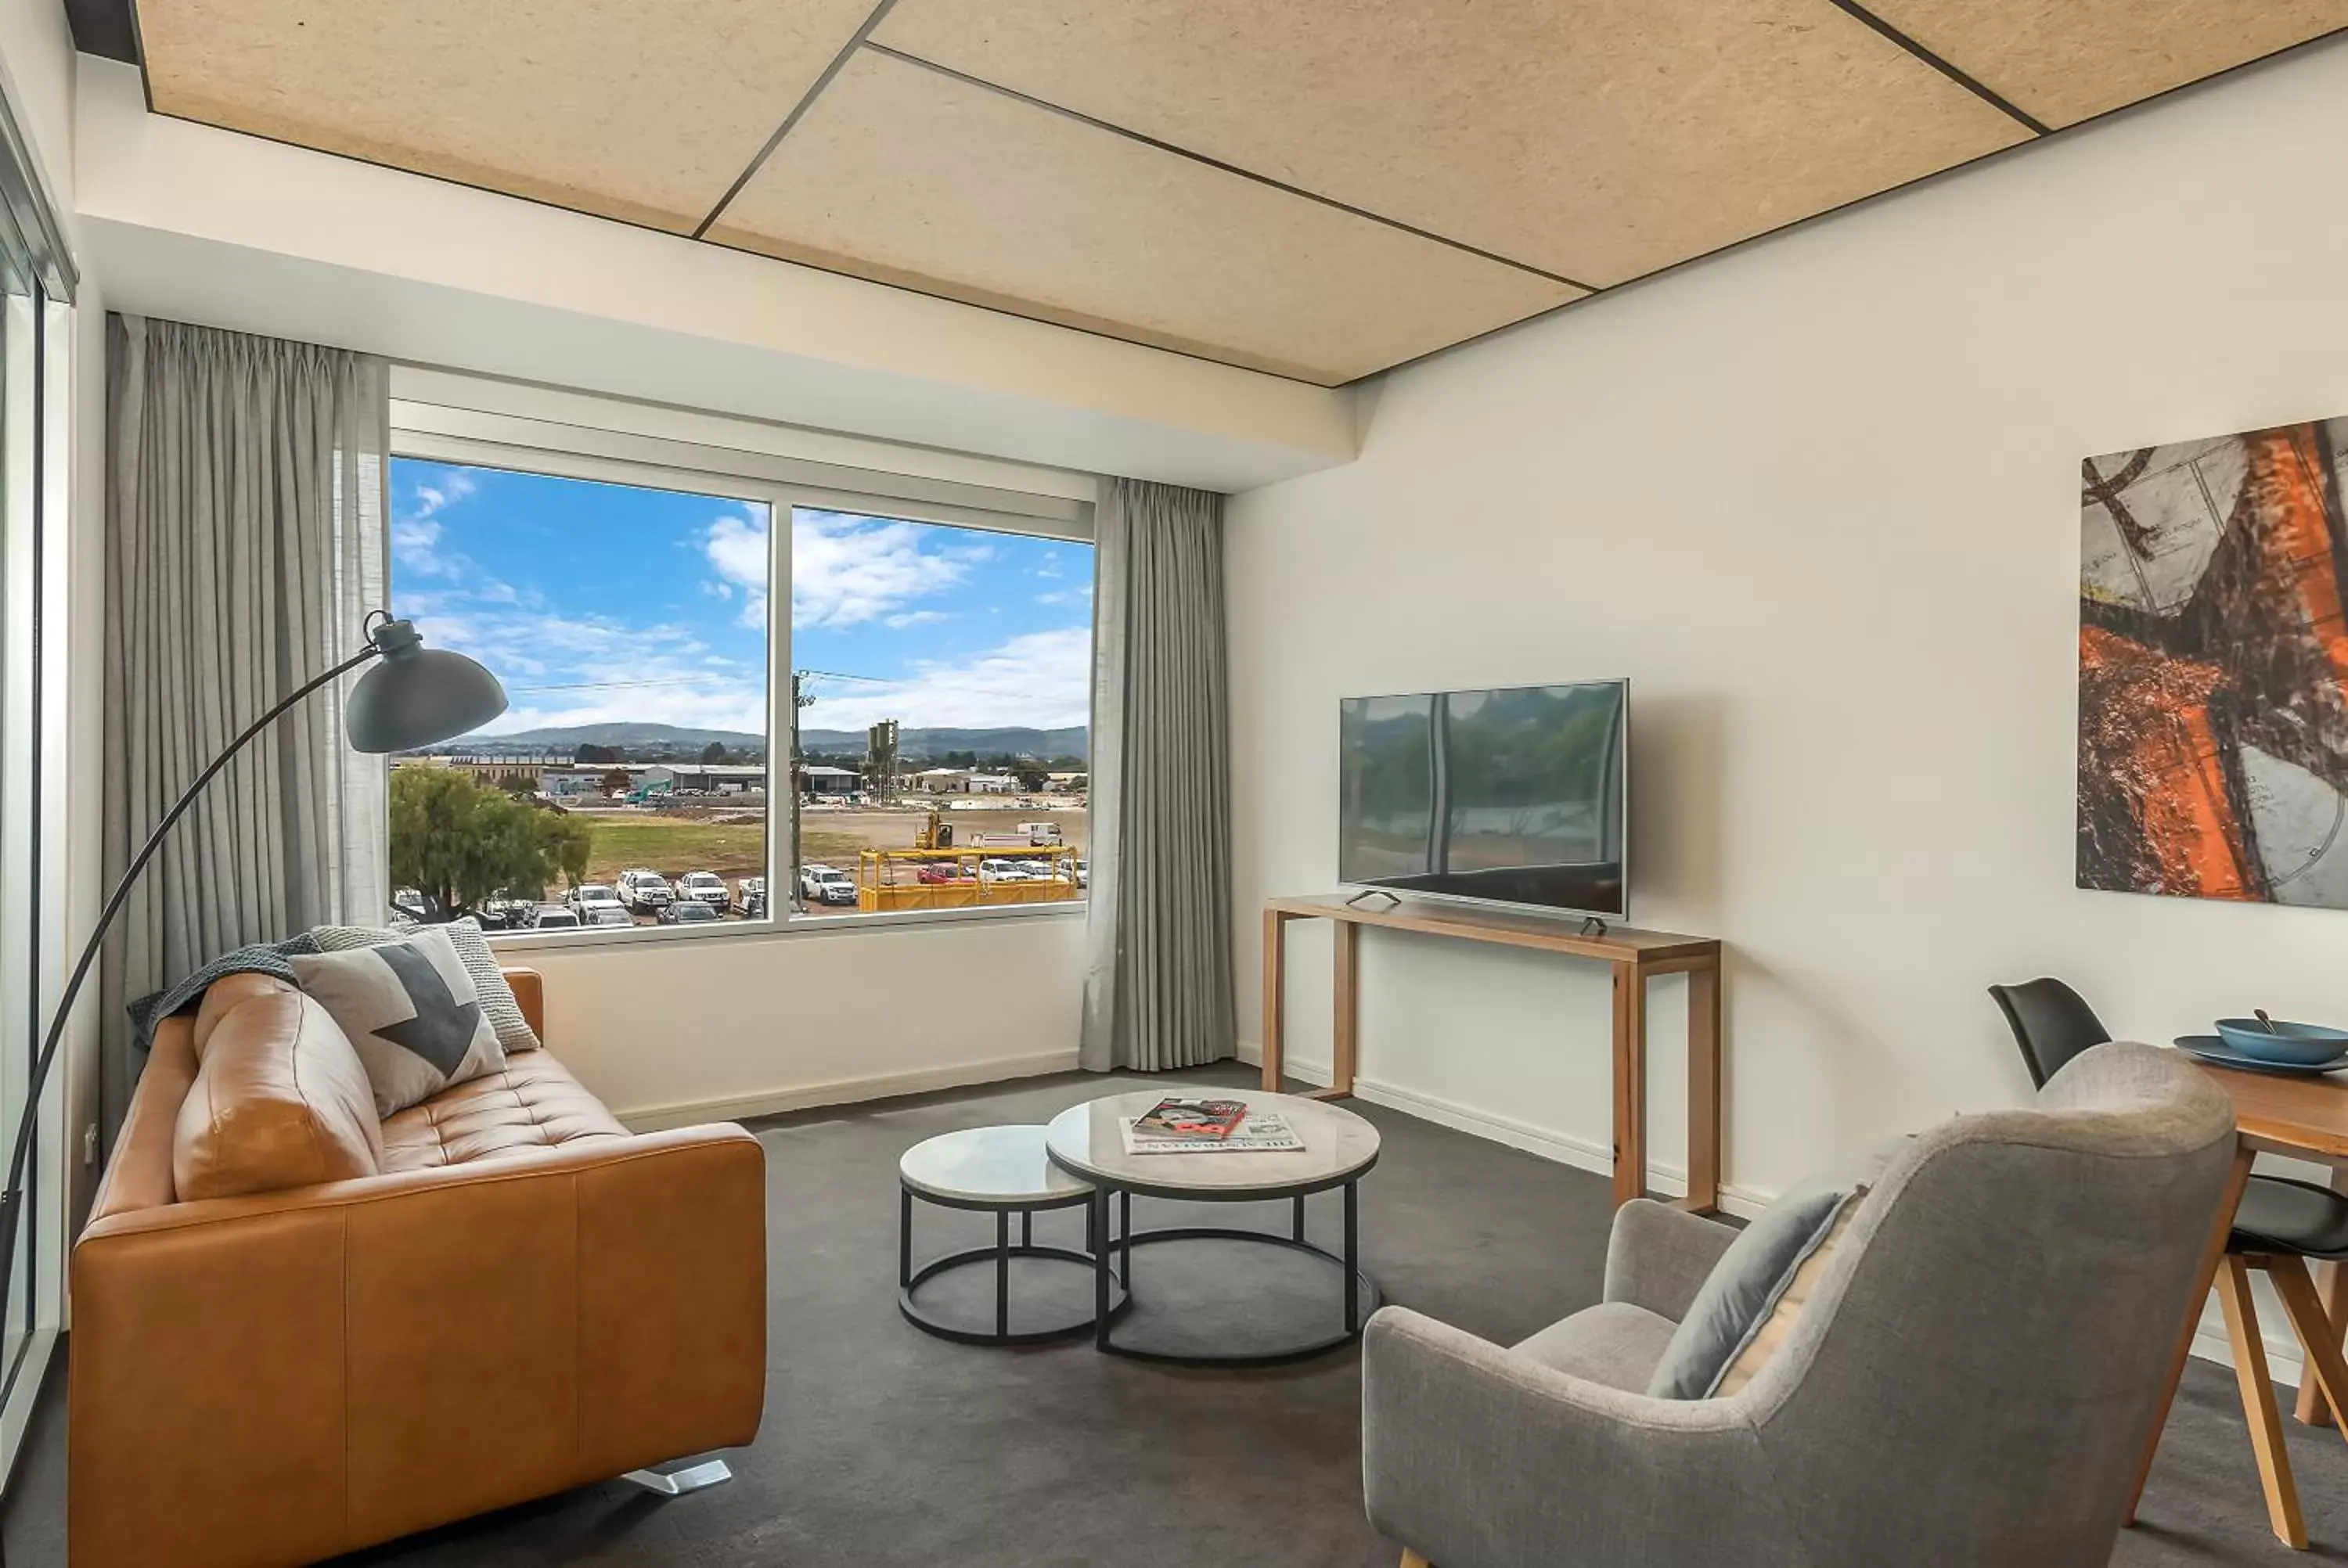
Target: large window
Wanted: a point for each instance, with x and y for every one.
(627, 783)
(942, 679)
(912, 736)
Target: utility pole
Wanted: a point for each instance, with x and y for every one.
(799, 699)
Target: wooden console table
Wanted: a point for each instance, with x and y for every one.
(1637, 957)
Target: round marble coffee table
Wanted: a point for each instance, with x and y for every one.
(1340, 1148)
(1001, 1171)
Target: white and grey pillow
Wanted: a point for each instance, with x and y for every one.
(497, 997)
(410, 1010)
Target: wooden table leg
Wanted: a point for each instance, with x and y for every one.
(1630, 1083)
(1346, 1014)
(2213, 1253)
(2259, 1403)
(2332, 1292)
(1275, 977)
(2331, 1287)
(1703, 1091)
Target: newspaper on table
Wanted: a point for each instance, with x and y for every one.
(1263, 1133)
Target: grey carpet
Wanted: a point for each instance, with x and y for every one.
(883, 1445)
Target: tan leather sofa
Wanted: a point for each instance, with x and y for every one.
(298, 1330)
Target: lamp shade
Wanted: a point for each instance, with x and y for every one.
(418, 696)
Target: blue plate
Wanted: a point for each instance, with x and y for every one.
(2210, 1048)
(2295, 1043)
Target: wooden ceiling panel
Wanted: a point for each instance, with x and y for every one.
(907, 176)
(1596, 139)
(2069, 60)
(643, 110)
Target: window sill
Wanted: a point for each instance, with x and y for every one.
(775, 930)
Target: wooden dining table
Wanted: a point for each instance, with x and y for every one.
(2305, 1117)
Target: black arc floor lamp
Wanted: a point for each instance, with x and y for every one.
(417, 696)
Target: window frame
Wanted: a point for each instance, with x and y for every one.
(436, 434)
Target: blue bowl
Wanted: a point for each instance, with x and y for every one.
(2298, 1044)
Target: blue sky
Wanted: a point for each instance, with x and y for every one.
(599, 602)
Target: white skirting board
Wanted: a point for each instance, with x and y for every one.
(2209, 1340)
(847, 1091)
(1582, 1153)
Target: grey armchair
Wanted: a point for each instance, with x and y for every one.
(1971, 1383)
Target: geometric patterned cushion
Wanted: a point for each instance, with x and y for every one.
(514, 1033)
(529, 1106)
(410, 1010)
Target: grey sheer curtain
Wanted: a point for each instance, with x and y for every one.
(246, 493)
(1157, 976)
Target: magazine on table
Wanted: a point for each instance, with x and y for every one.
(1261, 1133)
(1174, 1117)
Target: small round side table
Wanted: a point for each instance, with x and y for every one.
(999, 1170)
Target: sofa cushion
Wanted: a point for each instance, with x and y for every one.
(1614, 1343)
(529, 1104)
(279, 1098)
(504, 1009)
(411, 1011)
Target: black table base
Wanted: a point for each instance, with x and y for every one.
(910, 1279)
(1352, 1295)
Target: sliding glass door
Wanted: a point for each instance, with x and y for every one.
(36, 294)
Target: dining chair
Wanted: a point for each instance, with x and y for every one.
(2279, 1227)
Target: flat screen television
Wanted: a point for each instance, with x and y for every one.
(1514, 795)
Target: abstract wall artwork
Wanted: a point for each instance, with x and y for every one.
(2213, 669)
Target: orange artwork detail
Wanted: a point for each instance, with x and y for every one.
(2213, 670)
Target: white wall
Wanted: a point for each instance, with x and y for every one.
(1818, 500)
(676, 1032)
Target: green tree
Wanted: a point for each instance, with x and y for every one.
(616, 782)
(715, 752)
(463, 842)
(1032, 778)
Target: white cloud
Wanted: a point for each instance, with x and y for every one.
(416, 533)
(562, 670)
(1043, 679)
(737, 548)
(904, 619)
(846, 569)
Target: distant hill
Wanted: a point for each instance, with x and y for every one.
(632, 736)
(910, 743)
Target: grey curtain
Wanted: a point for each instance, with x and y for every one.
(245, 503)
(1158, 977)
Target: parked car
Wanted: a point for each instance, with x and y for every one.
(687, 912)
(609, 914)
(415, 905)
(1084, 873)
(823, 884)
(750, 897)
(590, 895)
(1008, 870)
(507, 913)
(704, 887)
(554, 918)
(1041, 833)
(645, 891)
(941, 871)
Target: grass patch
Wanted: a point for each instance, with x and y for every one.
(673, 847)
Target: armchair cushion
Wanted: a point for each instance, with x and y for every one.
(1743, 1290)
(1614, 1344)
